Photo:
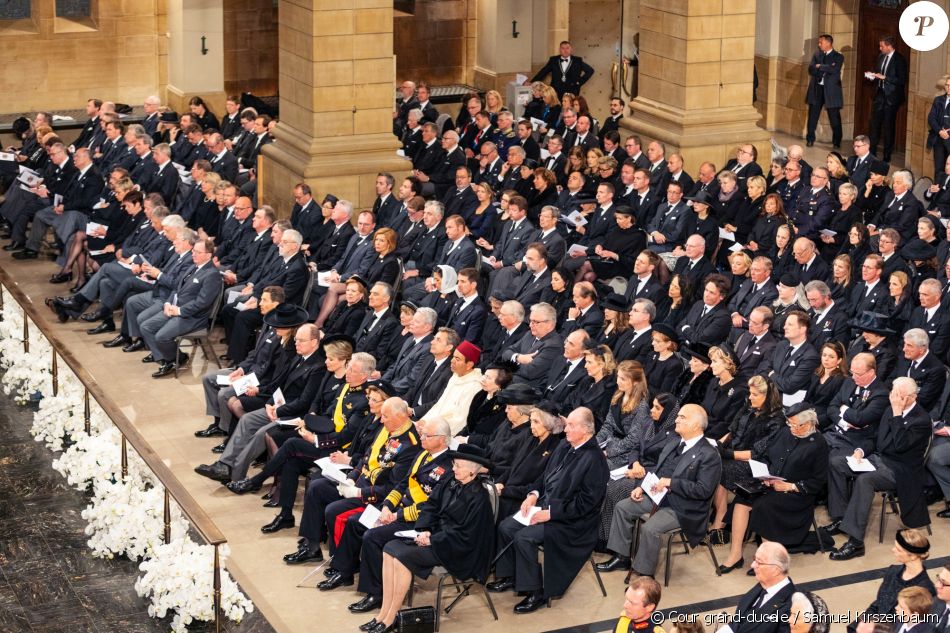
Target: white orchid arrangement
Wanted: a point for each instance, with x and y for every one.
(126, 515)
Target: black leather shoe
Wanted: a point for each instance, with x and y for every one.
(243, 486)
(530, 604)
(381, 627)
(301, 546)
(92, 317)
(61, 278)
(26, 253)
(851, 549)
(106, 326)
(149, 358)
(500, 585)
(832, 528)
(134, 346)
(118, 341)
(944, 514)
(13, 246)
(273, 502)
(334, 581)
(368, 603)
(213, 430)
(615, 563)
(217, 471)
(302, 555)
(164, 369)
(217, 450)
(724, 569)
(280, 522)
(366, 626)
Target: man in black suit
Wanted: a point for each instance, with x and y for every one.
(537, 351)
(644, 284)
(461, 199)
(938, 134)
(766, 607)
(744, 165)
(112, 148)
(193, 148)
(754, 347)
(941, 606)
(256, 142)
(658, 170)
(612, 124)
(828, 321)
(898, 459)
(412, 134)
(708, 319)
(688, 472)
(643, 199)
(442, 175)
(188, 309)
(675, 173)
(932, 317)
(639, 345)
(513, 239)
(795, 359)
(331, 250)
(163, 179)
(824, 89)
(810, 265)
(583, 137)
(568, 496)
(223, 162)
(489, 165)
(938, 194)
(852, 417)
(20, 205)
(890, 79)
(434, 375)
(503, 328)
(900, 208)
(859, 165)
(430, 153)
(405, 103)
(468, 314)
(526, 140)
(568, 72)
(422, 258)
(414, 353)
(870, 293)
(694, 264)
(757, 290)
(556, 158)
(429, 113)
(568, 371)
(924, 367)
(379, 326)
(535, 277)
(584, 315)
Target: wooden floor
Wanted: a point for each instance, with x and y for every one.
(168, 411)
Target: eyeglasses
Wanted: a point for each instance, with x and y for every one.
(425, 436)
(940, 582)
(536, 321)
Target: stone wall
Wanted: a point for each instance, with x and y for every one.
(250, 47)
(436, 44)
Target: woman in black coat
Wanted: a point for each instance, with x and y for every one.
(614, 257)
(680, 292)
(347, 316)
(829, 376)
(664, 367)
(456, 530)
(750, 209)
(691, 386)
(781, 256)
(594, 389)
(530, 460)
(724, 395)
(762, 236)
(845, 214)
(487, 413)
(857, 247)
(875, 189)
(559, 295)
(543, 194)
(783, 513)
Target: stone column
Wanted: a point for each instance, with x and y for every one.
(192, 72)
(337, 78)
(695, 81)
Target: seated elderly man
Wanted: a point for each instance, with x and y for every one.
(536, 352)
(764, 607)
(898, 464)
(688, 473)
(562, 512)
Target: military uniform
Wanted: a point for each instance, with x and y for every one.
(626, 625)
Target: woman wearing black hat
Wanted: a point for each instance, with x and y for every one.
(517, 399)
(703, 220)
(616, 329)
(664, 366)
(547, 430)
(844, 214)
(594, 389)
(691, 386)
(615, 255)
(872, 197)
(455, 530)
(487, 413)
(923, 259)
(724, 395)
(791, 296)
(877, 339)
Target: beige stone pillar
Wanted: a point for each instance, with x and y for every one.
(337, 77)
(192, 72)
(695, 82)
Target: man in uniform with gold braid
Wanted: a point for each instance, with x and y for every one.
(639, 603)
(400, 510)
(391, 455)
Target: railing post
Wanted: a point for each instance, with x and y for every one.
(168, 517)
(54, 369)
(26, 333)
(217, 590)
(86, 411)
(125, 458)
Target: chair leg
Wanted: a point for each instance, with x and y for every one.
(412, 587)
(177, 355)
(491, 605)
(438, 602)
(883, 522)
(600, 581)
(821, 543)
(217, 360)
(685, 543)
(669, 559)
(712, 554)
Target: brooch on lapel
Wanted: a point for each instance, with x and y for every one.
(730, 392)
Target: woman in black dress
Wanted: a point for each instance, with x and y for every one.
(614, 257)
(829, 376)
(729, 200)
(680, 293)
(762, 236)
(724, 395)
(691, 386)
(643, 456)
(207, 215)
(347, 316)
(543, 194)
(627, 414)
(845, 214)
(203, 116)
(455, 530)
(485, 216)
(791, 297)
(841, 278)
(664, 367)
(776, 173)
(898, 303)
(739, 265)
(911, 549)
(530, 460)
(875, 189)
(559, 295)
(782, 261)
(783, 513)
(616, 329)
(486, 413)
(751, 427)
(703, 221)
(857, 247)
(594, 389)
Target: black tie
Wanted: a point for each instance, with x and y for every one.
(681, 449)
(760, 599)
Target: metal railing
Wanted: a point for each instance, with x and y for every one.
(91, 389)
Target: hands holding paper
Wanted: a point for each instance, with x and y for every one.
(661, 485)
(348, 491)
(528, 503)
(422, 539)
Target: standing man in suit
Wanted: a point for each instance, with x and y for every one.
(689, 471)
(824, 89)
(568, 72)
(187, 309)
(890, 78)
(765, 607)
(938, 136)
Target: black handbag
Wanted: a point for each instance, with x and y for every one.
(751, 488)
(416, 620)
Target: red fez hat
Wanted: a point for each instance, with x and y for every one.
(469, 351)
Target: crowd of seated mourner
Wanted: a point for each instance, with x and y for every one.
(616, 346)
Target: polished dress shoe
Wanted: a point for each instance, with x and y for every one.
(281, 522)
(368, 603)
(213, 430)
(79, 285)
(61, 278)
(366, 626)
(61, 315)
(303, 548)
(119, 341)
(217, 450)
(530, 604)
(500, 585)
(944, 514)
(615, 563)
(27, 253)
(851, 549)
(134, 346)
(164, 369)
(13, 246)
(108, 325)
(725, 569)
(217, 471)
(334, 581)
(832, 528)
(92, 317)
(273, 502)
(382, 627)
(244, 486)
(149, 358)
